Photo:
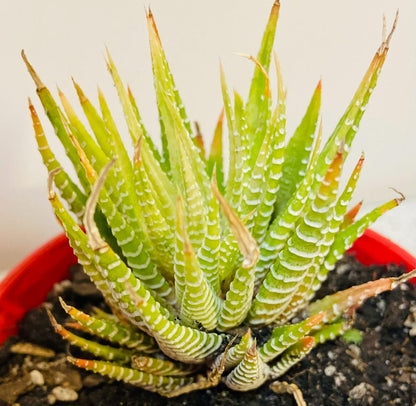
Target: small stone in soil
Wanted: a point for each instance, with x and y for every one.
(330, 370)
(32, 349)
(64, 394)
(51, 399)
(36, 377)
(362, 394)
(61, 374)
(10, 391)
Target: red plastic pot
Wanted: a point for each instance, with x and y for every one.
(27, 285)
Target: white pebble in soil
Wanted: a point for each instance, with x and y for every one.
(355, 350)
(51, 399)
(390, 382)
(363, 392)
(36, 377)
(381, 305)
(331, 355)
(342, 268)
(330, 370)
(339, 379)
(404, 286)
(411, 321)
(64, 394)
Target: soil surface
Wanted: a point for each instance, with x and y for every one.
(380, 370)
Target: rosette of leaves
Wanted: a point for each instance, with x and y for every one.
(192, 262)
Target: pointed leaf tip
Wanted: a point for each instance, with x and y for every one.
(316, 319)
(148, 11)
(64, 305)
(39, 84)
(386, 39)
(403, 278)
(56, 326)
(262, 69)
(307, 341)
(352, 213)
(109, 61)
(80, 93)
(252, 349)
(152, 24)
(80, 363)
(401, 197)
(319, 85)
(60, 92)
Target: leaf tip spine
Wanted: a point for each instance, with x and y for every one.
(39, 84)
(401, 197)
(385, 44)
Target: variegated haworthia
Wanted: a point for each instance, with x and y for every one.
(182, 255)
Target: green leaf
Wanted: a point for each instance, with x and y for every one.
(344, 239)
(353, 336)
(209, 251)
(235, 139)
(283, 225)
(334, 227)
(236, 353)
(161, 367)
(55, 117)
(134, 245)
(238, 299)
(331, 331)
(298, 151)
(340, 302)
(322, 209)
(257, 104)
(150, 382)
(277, 128)
(250, 373)
(199, 304)
(148, 138)
(158, 228)
(285, 336)
(119, 355)
(69, 190)
(112, 331)
(161, 70)
(215, 159)
(297, 260)
(96, 123)
(292, 356)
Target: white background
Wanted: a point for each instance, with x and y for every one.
(331, 39)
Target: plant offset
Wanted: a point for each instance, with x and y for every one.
(193, 263)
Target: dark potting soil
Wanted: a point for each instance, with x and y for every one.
(380, 370)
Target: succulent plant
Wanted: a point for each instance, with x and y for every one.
(194, 263)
